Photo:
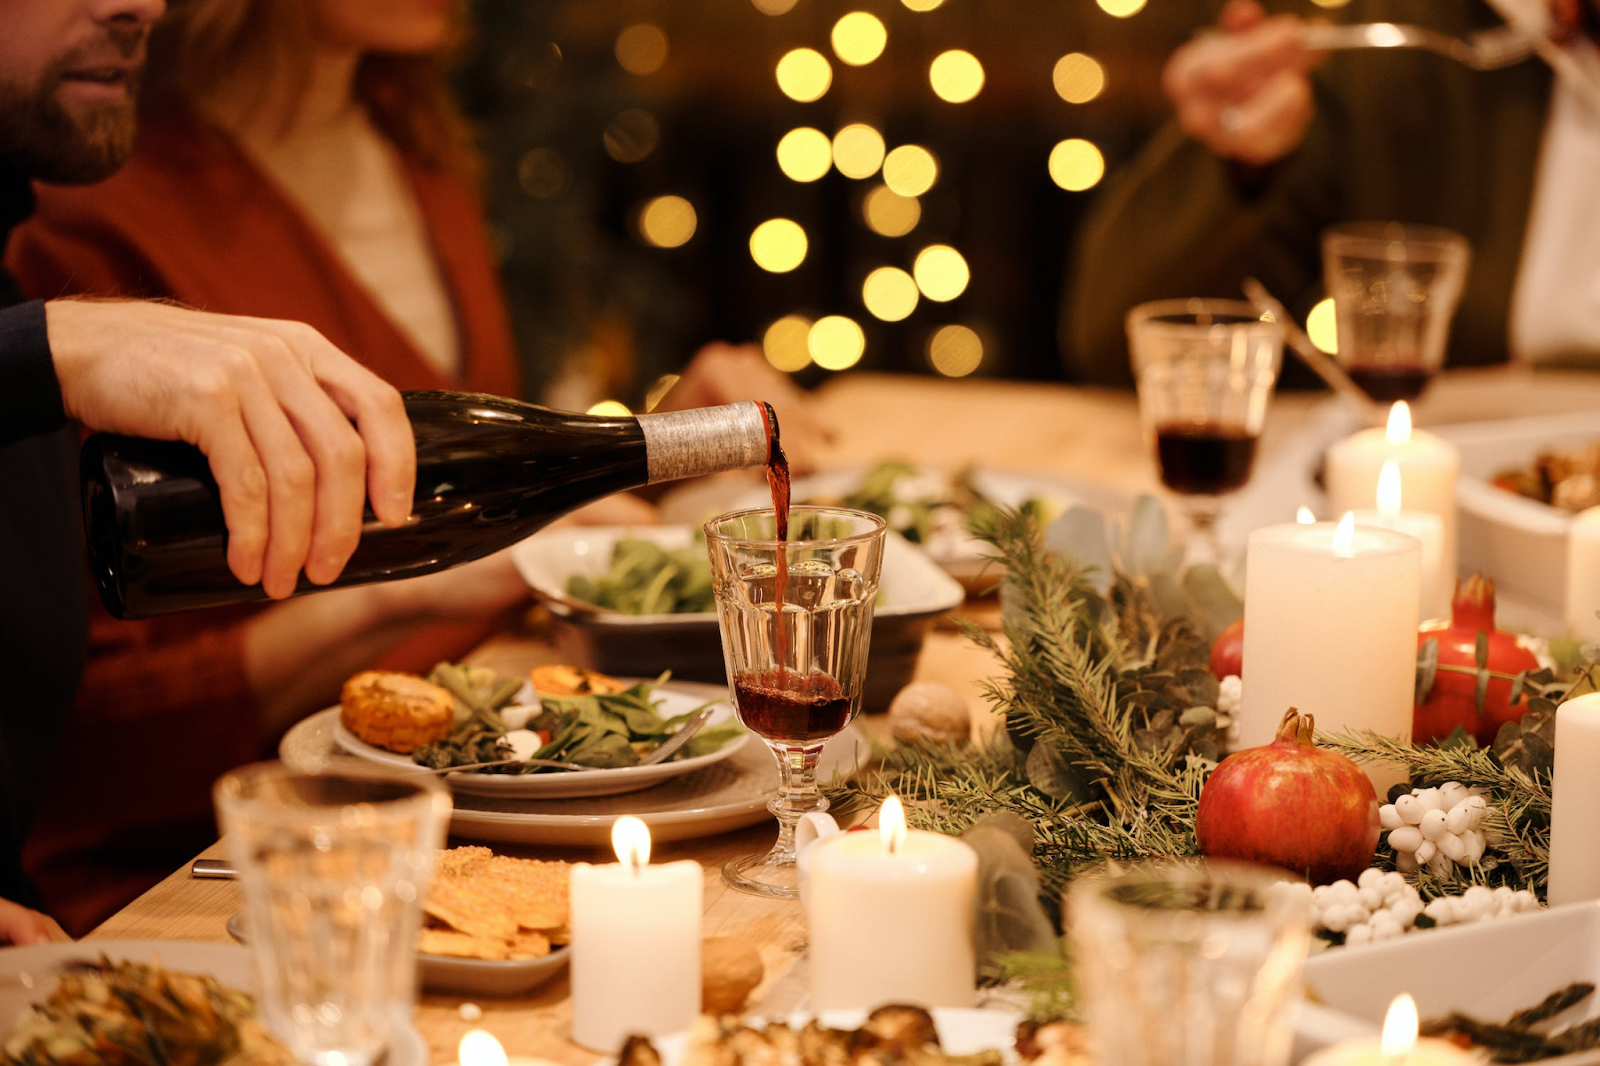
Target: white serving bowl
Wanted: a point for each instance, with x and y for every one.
(914, 592)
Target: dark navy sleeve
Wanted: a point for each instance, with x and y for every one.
(30, 395)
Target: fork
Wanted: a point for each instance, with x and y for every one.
(1484, 50)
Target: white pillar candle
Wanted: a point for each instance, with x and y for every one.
(1583, 574)
(1331, 628)
(479, 1047)
(1429, 468)
(892, 918)
(1438, 585)
(635, 943)
(1575, 803)
(1399, 1045)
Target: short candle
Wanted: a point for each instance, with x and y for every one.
(1429, 469)
(635, 943)
(892, 917)
(1331, 628)
(1399, 1045)
(1438, 584)
(1575, 803)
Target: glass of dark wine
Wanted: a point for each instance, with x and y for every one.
(796, 617)
(1205, 371)
(1395, 288)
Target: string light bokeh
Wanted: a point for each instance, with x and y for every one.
(842, 182)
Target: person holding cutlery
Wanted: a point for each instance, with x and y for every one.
(1271, 142)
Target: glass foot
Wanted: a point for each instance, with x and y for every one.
(764, 874)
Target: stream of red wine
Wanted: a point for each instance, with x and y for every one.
(778, 484)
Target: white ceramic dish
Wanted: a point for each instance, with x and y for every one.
(563, 784)
(961, 1031)
(1521, 542)
(467, 977)
(913, 593)
(28, 975)
(1488, 970)
(730, 795)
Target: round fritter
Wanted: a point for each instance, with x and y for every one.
(399, 712)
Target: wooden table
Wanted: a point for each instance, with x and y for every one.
(1083, 433)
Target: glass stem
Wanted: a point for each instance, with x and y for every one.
(797, 796)
(1203, 544)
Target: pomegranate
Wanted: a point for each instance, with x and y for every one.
(1227, 654)
(1452, 701)
(1290, 804)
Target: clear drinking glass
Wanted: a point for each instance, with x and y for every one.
(1205, 371)
(334, 868)
(796, 673)
(1190, 963)
(1395, 288)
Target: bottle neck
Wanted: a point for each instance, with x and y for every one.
(705, 440)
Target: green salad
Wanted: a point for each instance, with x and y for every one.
(645, 578)
(603, 730)
(927, 507)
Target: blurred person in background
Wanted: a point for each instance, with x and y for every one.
(299, 159)
(274, 406)
(1266, 150)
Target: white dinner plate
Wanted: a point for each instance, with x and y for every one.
(961, 1031)
(28, 976)
(730, 795)
(563, 784)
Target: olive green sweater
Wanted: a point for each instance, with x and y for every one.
(1399, 135)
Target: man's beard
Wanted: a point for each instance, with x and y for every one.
(45, 140)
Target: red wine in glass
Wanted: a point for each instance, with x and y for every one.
(788, 708)
(1388, 382)
(1204, 458)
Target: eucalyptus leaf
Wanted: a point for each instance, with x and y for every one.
(1590, 653)
(1168, 593)
(1198, 716)
(1480, 692)
(1145, 548)
(1080, 534)
(1216, 604)
(1480, 650)
(1458, 738)
(1427, 668)
(1517, 684)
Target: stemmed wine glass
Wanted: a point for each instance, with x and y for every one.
(1205, 371)
(796, 617)
(1395, 288)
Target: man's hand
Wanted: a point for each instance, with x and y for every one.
(726, 373)
(19, 925)
(1243, 90)
(270, 403)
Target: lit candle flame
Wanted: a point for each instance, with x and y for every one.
(1305, 516)
(630, 838)
(1399, 431)
(1400, 1028)
(1344, 537)
(1389, 490)
(892, 825)
(479, 1048)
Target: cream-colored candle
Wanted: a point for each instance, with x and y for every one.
(891, 918)
(1583, 574)
(1437, 584)
(635, 943)
(1429, 468)
(1399, 1045)
(1575, 803)
(1331, 628)
(479, 1047)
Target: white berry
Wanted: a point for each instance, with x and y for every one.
(1406, 838)
(1453, 847)
(1426, 851)
(1388, 817)
(1384, 927)
(1432, 824)
(1410, 809)
(1430, 799)
(1476, 844)
(1358, 934)
(1441, 910)
(1371, 877)
(1452, 792)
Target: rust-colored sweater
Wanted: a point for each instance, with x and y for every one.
(165, 708)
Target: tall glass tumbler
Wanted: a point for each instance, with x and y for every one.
(1395, 288)
(335, 868)
(796, 669)
(1191, 964)
(1205, 371)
